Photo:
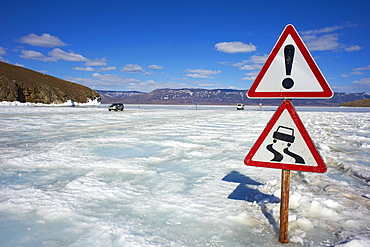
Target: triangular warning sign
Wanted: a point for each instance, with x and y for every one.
(290, 71)
(285, 144)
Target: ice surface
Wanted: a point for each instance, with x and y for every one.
(174, 176)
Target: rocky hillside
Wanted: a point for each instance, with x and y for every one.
(217, 96)
(24, 85)
(358, 103)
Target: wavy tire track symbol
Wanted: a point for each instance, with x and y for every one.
(277, 156)
(298, 159)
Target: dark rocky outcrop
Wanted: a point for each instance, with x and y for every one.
(25, 85)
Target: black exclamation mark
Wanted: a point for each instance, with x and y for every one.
(288, 83)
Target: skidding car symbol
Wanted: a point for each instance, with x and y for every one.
(284, 134)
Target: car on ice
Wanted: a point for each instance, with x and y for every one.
(240, 106)
(116, 107)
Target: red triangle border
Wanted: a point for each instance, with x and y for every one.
(286, 104)
(290, 30)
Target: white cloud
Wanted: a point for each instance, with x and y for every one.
(19, 64)
(45, 40)
(322, 30)
(363, 81)
(239, 63)
(327, 29)
(151, 85)
(2, 51)
(353, 48)
(54, 55)
(108, 68)
(202, 73)
(353, 87)
(357, 71)
(255, 73)
(153, 66)
(113, 78)
(322, 43)
(97, 62)
(132, 68)
(100, 81)
(235, 47)
(35, 55)
(4, 60)
(249, 78)
(325, 40)
(84, 81)
(84, 68)
(59, 54)
(254, 63)
(259, 59)
(250, 67)
(363, 68)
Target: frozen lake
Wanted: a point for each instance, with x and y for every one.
(175, 176)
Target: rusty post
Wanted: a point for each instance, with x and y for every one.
(284, 205)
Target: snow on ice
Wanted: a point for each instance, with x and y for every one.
(89, 102)
(175, 176)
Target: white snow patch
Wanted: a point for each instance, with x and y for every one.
(89, 102)
(304, 224)
(356, 241)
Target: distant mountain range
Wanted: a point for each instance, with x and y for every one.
(116, 96)
(215, 96)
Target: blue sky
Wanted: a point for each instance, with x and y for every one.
(144, 45)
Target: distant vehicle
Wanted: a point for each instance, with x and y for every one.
(116, 107)
(240, 106)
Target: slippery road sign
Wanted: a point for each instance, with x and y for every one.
(290, 72)
(285, 144)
